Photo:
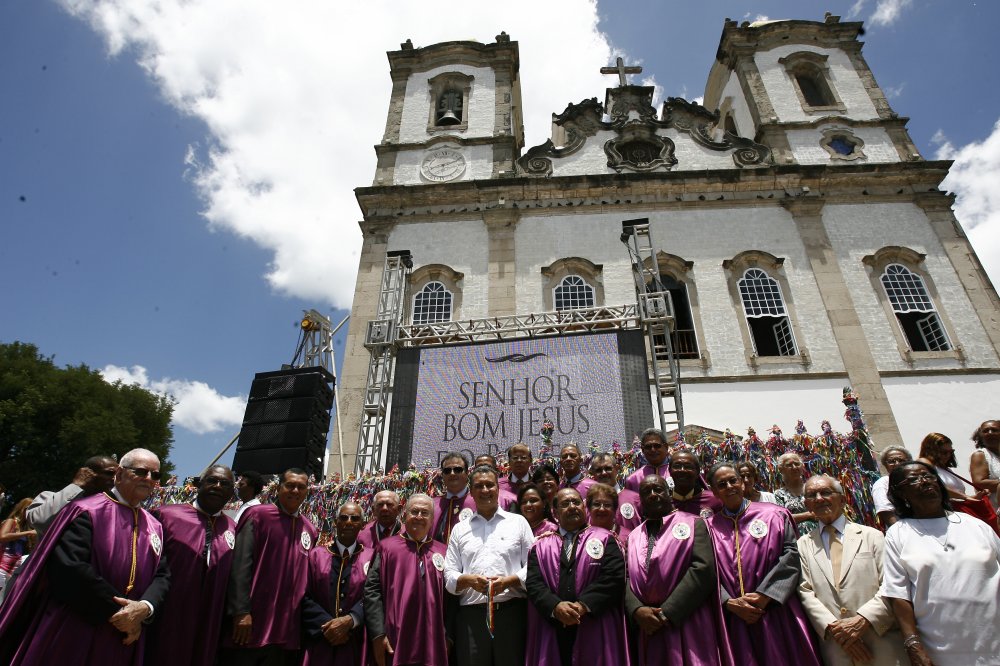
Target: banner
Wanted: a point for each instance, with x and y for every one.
(483, 398)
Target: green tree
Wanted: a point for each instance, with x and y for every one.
(52, 419)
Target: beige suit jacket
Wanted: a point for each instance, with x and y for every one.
(856, 593)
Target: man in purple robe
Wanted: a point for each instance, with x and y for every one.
(576, 580)
(519, 460)
(94, 581)
(604, 469)
(690, 494)
(268, 579)
(570, 461)
(385, 507)
(759, 571)
(333, 610)
(673, 593)
(198, 540)
(654, 450)
(456, 504)
(404, 593)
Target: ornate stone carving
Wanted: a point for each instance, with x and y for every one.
(639, 148)
(638, 145)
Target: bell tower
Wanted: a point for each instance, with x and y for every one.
(454, 113)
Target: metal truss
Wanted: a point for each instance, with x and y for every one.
(512, 327)
(380, 340)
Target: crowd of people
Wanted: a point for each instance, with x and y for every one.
(520, 564)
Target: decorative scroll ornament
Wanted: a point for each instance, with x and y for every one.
(639, 148)
(579, 121)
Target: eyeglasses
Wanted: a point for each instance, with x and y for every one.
(143, 473)
(419, 513)
(917, 480)
(519, 458)
(725, 483)
(599, 471)
(212, 481)
(452, 470)
(350, 519)
(821, 494)
(602, 505)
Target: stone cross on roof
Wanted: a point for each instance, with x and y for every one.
(621, 70)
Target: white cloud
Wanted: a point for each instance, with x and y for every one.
(295, 98)
(887, 12)
(856, 9)
(199, 408)
(973, 178)
(892, 92)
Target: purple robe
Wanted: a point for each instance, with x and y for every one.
(506, 499)
(194, 607)
(414, 604)
(636, 477)
(369, 538)
(701, 638)
(506, 483)
(600, 639)
(323, 573)
(37, 629)
(565, 483)
(278, 580)
(704, 504)
(461, 508)
(629, 514)
(784, 630)
(545, 526)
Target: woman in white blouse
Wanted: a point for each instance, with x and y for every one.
(984, 466)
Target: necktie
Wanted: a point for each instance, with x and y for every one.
(209, 535)
(836, 553)
(569, 545)
(651, 543)
(446, 527)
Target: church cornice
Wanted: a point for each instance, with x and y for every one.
(841, 183)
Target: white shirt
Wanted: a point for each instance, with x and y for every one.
(839, 525)
(880, 495)
(767, 497)
(949, 569)
(495, 547)
(244, 507)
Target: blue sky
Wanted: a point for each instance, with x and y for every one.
(176, 177)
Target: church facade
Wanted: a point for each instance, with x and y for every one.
(805, 241)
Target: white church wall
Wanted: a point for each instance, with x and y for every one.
(761, 404)
(806, 148)
(952, 405)
(480, 108)
(741, 110)
(781, 90)
(435, 243)
(479, 164)
(707, 237)
(857, 230)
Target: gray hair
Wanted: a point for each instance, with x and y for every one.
(391, 492)
(420, 496)
(786, 456)
(894, 449)
(653, 431)
(133, 456)
(825, 477)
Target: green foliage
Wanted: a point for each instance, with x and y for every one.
(52, 419)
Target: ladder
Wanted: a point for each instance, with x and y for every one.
(656, 316)
(380, 340)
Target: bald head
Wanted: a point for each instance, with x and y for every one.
(385, 508)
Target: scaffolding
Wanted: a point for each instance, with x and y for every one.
(656, 316)
(380, 340)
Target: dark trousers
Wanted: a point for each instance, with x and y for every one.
(475, 647)
(269, 655)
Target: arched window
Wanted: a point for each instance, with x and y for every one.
(914, 309)
(766, 315)
(449, 95)
(432, 304)
(573, 293)
(810, 76)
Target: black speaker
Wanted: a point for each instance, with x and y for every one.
(286, 421)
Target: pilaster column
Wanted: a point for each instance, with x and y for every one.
(855, 353)
(502, 294)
